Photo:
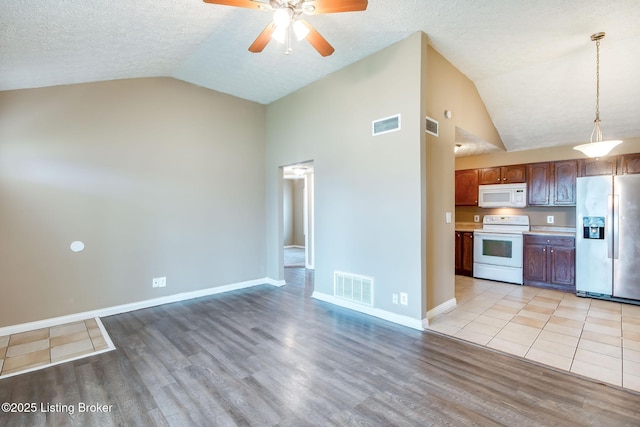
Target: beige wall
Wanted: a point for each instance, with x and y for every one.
(287, 212)
(157, 177)
(447, 89)
(368, 209)
(293, 212)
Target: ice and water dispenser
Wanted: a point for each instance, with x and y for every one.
(593, 227)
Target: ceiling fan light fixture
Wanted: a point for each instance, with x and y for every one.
(282, 17)
(300, 29)
(597, 147)
(280, 33)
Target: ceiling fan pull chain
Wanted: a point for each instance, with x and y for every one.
(288, 45)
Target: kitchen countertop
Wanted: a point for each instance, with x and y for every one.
(535, 229)
(552, 231)
(468, 226)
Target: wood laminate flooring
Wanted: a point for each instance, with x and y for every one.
(275, 356)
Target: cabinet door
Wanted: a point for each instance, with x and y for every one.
(538, 180)
(596, 167)
(564, 182)
(467, 253)
(631, 163)
(535, 263)
(562, 265)
(467, 187)
(513, 174)
(489, 176)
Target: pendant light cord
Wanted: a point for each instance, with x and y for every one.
(597, 132)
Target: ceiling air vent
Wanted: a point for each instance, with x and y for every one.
(353, 287)
(432, 126)
(386, 125)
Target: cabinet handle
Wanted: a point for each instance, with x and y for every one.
(504, 179)
(551, 250)
(471, 237)
(544, 249)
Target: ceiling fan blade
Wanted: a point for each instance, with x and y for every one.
(265, 36)
(333, 6)
(249, 4)
(317, 41)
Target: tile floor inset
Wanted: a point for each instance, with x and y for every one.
(593, 338)
(26, 351)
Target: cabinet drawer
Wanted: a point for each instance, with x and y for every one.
(539, 239)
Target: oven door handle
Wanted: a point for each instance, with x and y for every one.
(497, 234)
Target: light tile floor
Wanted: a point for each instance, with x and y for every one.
(28, 351)
(593, 338)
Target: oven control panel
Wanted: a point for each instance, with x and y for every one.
(506, 220)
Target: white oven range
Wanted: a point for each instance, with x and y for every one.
(498, 247)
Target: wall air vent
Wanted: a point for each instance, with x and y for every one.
(386, 125)
(431, 126)
(353, 287)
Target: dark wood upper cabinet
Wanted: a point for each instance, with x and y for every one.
(467, 187)
(538, 183)
(502, 175)
(630, 163)
(552, 183)
(564, 182)
(489, 176)
(596, 167)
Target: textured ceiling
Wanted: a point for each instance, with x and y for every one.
(531, 60)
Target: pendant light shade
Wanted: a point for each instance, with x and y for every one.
(597, 147)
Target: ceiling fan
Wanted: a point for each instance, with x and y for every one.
(287, 23)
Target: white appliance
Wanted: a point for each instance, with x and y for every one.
(498, 247)
(502, 195)
(607, 237)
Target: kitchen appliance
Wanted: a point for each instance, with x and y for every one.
(498, 246)
(502, 195)
(608, 237)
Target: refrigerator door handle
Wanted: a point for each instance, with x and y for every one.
(615, 243)
(609, 226)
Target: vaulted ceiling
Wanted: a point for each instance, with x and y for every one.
(532, 60)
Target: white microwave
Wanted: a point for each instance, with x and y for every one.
(502, 196)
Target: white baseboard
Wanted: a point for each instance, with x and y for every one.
(274, 282)
(110, 311)
(371, 311)
(294, 246)
(442, 308)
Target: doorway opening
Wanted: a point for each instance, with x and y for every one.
(297, 215)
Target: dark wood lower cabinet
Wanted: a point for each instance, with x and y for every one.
(549, 262)
(464, 253)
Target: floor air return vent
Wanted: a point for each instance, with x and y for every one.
(353, 287)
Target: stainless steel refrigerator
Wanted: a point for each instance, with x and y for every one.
(608, 237)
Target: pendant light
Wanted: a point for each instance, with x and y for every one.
(597, 147)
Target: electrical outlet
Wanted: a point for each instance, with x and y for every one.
(550, 219)
(395, 298)
(404, 298)
(159, 282)
(476, 218)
